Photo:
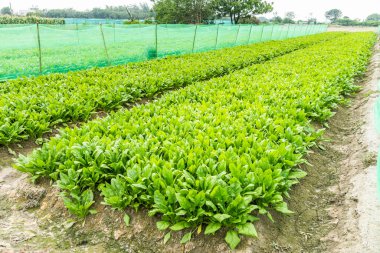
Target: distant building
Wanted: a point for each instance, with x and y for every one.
(21, 12)
(34, 8)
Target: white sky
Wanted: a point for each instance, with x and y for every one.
(302, 8)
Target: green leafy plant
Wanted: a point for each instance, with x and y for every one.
(215, 154)
(30, 107)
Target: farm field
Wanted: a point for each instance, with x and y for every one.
(31, 107)
(74, 47)
(215, 156)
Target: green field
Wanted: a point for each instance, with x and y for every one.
(31, 107)
(215, 154)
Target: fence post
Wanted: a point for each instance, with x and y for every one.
(271, 33)
(287, 32)
(262, 32)
(294, 31)
(114, 33)
(249, 36)
(156, 38)
(195, 36)
(104, 43)
(76, 26)
(217, 34)
(237, 35)
(39, 47)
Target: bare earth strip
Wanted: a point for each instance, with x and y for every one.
(338, 28)
(358, 212)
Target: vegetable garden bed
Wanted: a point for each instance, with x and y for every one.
(214, 154)
(33, 106)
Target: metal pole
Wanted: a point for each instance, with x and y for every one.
(195, 35)
(104, 43)
(237, 35)
(287, 32)
(76, 25)
(294, 30)
(114, 33)
(262, 32)
(249, 36)
(217, 34)
(271, 33)
(156, 34)
(39, 47)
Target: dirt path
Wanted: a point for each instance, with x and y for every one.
(358, 211)
(338, 28)
(336, 206)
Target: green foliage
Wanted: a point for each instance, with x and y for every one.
(212, 228)
(333, 14)
(215, 153)
(141, 11)
(167, 237)
(288, 21)
(350, 22)
(79, 204)
(131, 22)
(186, 237)
(6, 11)
(30, 20)
(182, 11)
(232, 238)
(30, 108)
(374, 17)
(127, 219)
(249, 20)
(77, 201)
(290, 15)
(239, 9)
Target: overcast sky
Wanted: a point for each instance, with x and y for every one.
(302, 8)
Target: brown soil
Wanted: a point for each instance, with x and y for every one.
(335, 206)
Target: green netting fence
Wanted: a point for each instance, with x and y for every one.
(27, 50)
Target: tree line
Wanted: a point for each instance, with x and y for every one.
(195, 12)
(168, 11)
(335, 16)
(141, 11)
(200, 11)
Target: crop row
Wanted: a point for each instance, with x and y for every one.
(31, 107)
(214, 154)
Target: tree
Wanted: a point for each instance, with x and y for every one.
(374, 17)
(237, 9)
(333, 14)
(250, 20)
(290, 15)
(289, 18)
(182, 11)
(277, 20)
(6, 11)
(312, 20)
